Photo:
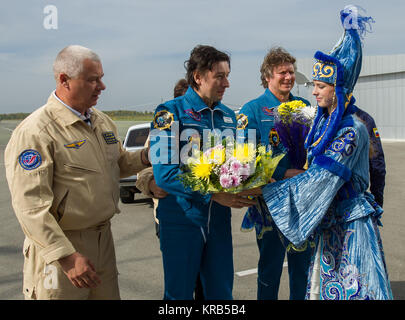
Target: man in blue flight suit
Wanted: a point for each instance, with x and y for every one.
(376, 159)
(195, 229)
(278, 77)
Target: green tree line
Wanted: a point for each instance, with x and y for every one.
(115, 115)
(130, 115)
(13, 116)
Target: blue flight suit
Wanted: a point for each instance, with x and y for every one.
(376, 160)
(195, 232)
(260, 116)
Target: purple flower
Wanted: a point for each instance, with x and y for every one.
(292, 135)
(235, 166)
(225, 181)
(235, 181)
(224, 169)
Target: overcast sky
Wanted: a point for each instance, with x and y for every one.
(143, 43)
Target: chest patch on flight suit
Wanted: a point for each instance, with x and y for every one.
(228, 119)
(268, 111)
(194, 115)
(376, 133)
(30, 159)
(242, 121)
(109, 137)
(75, 145)
(163, 120)
(274, 138)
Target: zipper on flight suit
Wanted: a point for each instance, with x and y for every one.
(209, 208)
(210, 205)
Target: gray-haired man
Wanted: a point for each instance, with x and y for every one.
(63, 165)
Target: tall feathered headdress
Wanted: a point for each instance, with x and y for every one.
(341, 68)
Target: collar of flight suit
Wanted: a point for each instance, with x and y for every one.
(272, 98)
(198, 104)
(66, 116)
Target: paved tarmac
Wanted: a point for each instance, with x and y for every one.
(139, 258)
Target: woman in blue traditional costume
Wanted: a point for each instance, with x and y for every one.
(328, 203)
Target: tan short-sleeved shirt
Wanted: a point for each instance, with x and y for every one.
(64, 175)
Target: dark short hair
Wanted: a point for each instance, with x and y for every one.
(275, 57)
(202, 58)
(180, 88)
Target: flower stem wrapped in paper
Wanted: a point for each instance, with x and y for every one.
(293, 120)
(229, 169)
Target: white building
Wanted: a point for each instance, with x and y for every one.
(380, 90)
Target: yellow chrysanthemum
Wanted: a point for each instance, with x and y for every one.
(290, 107)
(202, 170)
(245, 152)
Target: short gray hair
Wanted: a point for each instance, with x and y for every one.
(70, 60)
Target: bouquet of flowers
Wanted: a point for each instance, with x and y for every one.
(229, 169)
(293, 120)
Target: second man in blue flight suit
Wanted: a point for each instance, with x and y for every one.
(278, 77)
(195, 229)
(376, 158)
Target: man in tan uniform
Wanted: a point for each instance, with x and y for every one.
(63, 165)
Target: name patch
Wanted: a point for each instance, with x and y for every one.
(109, 137)
(228, 120)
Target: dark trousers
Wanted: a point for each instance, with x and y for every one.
(188, 251)
(198, 292)
(272, 253)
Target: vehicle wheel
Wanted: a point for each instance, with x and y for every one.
(127, 196)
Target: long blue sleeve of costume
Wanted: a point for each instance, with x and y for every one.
(298, 205)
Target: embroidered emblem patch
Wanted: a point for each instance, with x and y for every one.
(109, 137)
(344, 144)
(75, 144)
(268, 111)
(242, 121)
(376, 133)
(163, 120)
(274, 138)
(194, 115)
(30, 159)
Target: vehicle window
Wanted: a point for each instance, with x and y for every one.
(137, 138)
